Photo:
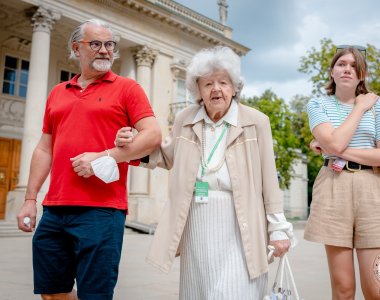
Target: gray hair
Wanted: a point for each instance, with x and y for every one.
(77, 35)
(211, 60)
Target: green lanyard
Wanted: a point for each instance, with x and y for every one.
(337, 104)
(204, 164)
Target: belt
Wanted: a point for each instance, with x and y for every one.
(349, 166)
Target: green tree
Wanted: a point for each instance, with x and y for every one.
(317, 63)
(301, 130)
(373, 60)
(281, 124)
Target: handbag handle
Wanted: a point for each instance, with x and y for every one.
(279, 275)
(284, 269)
(290, 273)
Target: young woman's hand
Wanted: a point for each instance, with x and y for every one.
(366, 101)
(316, 147)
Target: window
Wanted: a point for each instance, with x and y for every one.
(15, 79)
(66, 75)
(181, 91)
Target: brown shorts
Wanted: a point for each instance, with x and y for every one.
(345, 210)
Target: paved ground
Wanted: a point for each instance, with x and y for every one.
(138, 280)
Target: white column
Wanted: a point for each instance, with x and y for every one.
(144, 57)
(42, 22)
(141, 205)
(127, 64)
(127, 69)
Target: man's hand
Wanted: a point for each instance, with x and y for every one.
(123, 136)
(280, 247)
(82, 163)
(29, 209)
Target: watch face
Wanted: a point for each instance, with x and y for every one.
(376, 267)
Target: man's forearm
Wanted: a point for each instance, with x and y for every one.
(39, 170)
(144, 143)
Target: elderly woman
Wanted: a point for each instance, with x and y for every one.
(223, 188)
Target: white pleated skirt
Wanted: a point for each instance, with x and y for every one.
(213, 265)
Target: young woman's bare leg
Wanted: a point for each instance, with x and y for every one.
(342, 272)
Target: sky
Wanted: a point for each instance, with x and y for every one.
(280, 32)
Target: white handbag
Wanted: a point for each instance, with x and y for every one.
(284, 286)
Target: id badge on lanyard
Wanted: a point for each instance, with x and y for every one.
(201, 192)
(201, 187)
(338, 164)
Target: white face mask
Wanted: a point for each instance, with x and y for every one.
(106, 169)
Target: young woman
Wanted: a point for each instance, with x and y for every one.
(345, 211)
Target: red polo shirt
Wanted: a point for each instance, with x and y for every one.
(87, 121)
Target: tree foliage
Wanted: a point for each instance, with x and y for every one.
(302, 131)
(281, 124)
(317, 64)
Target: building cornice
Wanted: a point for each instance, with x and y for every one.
(182, 18)
(166, 11)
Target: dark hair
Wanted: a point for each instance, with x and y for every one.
(360, 68)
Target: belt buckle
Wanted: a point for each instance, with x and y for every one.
(353, 170)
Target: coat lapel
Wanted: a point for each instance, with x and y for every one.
(233, 133)
(198, 130)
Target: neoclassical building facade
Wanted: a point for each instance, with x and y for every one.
(157, 40)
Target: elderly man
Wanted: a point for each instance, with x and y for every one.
(80, 235)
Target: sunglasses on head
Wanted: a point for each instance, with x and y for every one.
(362, 49)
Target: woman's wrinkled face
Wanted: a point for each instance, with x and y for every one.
(344, 72)
(216, 92)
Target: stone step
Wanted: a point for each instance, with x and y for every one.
(10, 229)
(141, 227)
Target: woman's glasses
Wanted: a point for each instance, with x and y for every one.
(362, 49)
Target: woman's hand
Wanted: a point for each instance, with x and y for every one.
(366, 101)
(316, 147)
(280, 247)
(123, 136)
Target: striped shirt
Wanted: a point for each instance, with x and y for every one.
(329, 109)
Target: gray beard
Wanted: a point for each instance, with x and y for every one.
(102, 65)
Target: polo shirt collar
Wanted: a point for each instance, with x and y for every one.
(109, 76)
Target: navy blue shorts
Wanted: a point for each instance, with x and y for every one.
(78, 243)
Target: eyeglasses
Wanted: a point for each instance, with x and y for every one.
(362, 49)
(97, 45)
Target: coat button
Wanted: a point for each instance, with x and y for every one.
(244, 226)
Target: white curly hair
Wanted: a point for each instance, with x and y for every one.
(208, 61)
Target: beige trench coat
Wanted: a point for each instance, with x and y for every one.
(251, 165)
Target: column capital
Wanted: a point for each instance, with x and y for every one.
(144, 55)
(43, 19)
(178, 68)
